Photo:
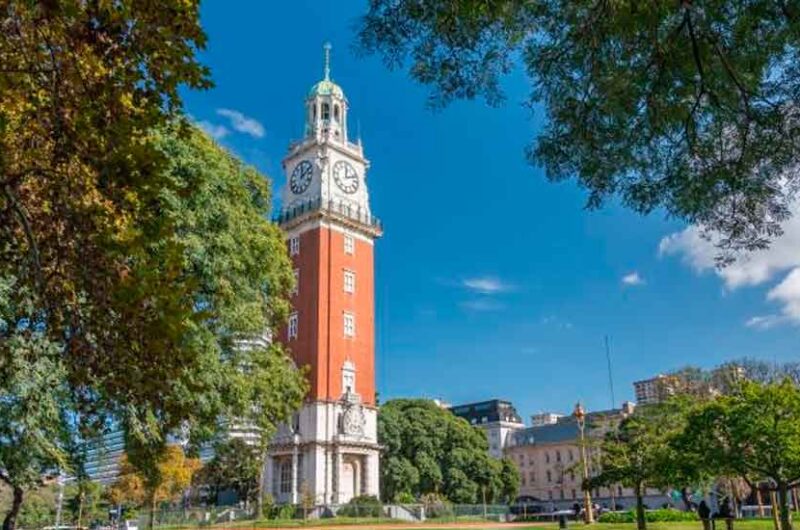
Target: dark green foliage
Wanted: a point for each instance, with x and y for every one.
(429, 450)
(651, 516)
(36, 512)
(689, 107)
(236, 466)
(753, 433)
(631, 455)
(362, 506)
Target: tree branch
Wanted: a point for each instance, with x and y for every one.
(26, 226)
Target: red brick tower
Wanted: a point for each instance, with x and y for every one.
(330, 232)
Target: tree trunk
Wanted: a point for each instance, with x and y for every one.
(786, 509)
(80, 510)
(775, 509)
(760, 501)
(10, 522)
(151, 523)
(261, 477)
(641, 523)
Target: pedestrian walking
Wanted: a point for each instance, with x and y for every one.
(704, 512)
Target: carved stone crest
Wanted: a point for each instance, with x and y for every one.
(354, 420)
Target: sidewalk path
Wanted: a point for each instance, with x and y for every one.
(401, 526)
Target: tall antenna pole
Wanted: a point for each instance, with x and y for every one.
(610, 377)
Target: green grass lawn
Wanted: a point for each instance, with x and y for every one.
(746, 524)
(739, 524)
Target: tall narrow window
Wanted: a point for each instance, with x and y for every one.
(348, 378)
(349, 281)
(349, 325)
(336, 113)
(292, 332)
(296, 281)
(286, 476)
(294, 246)
(349, 244)
(326, 112)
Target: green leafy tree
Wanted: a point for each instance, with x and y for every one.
(34, 404)
(87, 326)
(85, 501)
(236, 466)
(510, 479)
(235, 264)
(754, 434)
(688, 106)
(630, 455)
(429, 450)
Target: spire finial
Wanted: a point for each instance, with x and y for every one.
(327, 48)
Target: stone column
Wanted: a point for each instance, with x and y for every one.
(371, 468)
(269, 477)
(336, 470)
(294, 474)
(365, 478)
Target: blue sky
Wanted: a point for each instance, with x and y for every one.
(491, 281)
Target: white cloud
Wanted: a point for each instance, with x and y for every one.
(787, 293)
(241, 123)
(763, 322)
(633, 279)
(486, 285)
(751, 269)
(215, 131)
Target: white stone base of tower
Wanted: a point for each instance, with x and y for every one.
(329, 452)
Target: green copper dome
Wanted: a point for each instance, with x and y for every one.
(326, 87)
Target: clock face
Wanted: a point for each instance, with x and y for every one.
(301, 177)
(345, 176)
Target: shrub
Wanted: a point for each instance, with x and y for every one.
(436, 506)
(285, 512)
(404, 497)
(652, 516)
(362, 506)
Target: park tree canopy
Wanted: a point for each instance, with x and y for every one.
(427, 449)
(686, 106)
(82, 84)
(135, 254)
(753, 433)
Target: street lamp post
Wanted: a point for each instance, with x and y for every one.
(580, 416)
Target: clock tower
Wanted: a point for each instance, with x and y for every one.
(330, 450)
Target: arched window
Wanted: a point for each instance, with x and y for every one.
(336, 113)
(326, 111)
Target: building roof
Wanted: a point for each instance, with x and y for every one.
(326, 87)
(564, 430)
(492, 411)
